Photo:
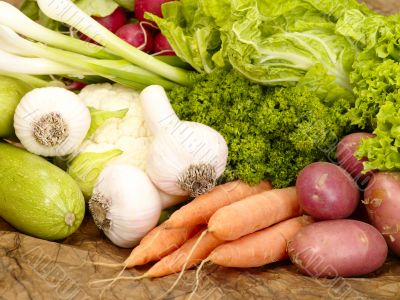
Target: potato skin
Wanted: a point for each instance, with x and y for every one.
(382, 199)
(326, 191)
(338, 248)
(345, 155)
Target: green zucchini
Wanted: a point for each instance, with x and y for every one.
(36, 197)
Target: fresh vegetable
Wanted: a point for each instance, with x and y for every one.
(151, 6)
(200, 210)
(66, 11)
(11, 92)
(10, 63)
(38, 198)
(169, 201)
(259, 248)
(118, 134)
(381, 198)
(345, 154)
(273, 43)
(51, 121)
(191, 253)
(137, 35)
(78, 65)
(382, 151)
(162, 46)
(125, 204)
(326, 191)
(11, 17)
(159, 243)
(267, 208)
(112, 22)
(186, 158)
(338, 248)
(260, 123)
(375, 82)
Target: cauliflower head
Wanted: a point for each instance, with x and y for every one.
(118, 134)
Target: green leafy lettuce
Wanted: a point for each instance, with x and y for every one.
(272, 132)
(272, 42)
(375, 81)
(382, 151)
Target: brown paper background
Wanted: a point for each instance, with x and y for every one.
(35, 269)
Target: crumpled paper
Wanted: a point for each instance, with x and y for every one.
(31, 268)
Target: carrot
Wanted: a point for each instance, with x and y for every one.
(254, 213)
(200, 210)
(158, 243)
(188, 255)
(259, 248)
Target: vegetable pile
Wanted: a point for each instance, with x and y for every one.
(240, 117)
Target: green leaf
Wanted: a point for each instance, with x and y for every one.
(269, 42)
(98, 8)
(127, 4)
(87, 166)
(99, 117)
(382, 151)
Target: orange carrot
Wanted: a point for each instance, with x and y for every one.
(158, 243)
(190, 254)
(254, 213)
(200, 210)
(259, 248)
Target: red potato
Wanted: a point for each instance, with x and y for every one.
(382, 199)
(338, 248)
(326, 191)
(137, 35)
(345, 155)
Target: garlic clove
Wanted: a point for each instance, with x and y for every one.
(125, 204)
(51, 121)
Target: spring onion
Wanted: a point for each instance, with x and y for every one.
(119, 71)
(12, 17)
(67, 12)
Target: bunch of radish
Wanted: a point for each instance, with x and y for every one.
(138, 32)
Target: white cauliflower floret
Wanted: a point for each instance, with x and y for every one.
(129, 134)
(128, 139)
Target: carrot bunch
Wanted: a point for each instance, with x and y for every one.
(234, 225)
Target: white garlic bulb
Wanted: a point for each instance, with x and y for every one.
(51, 121)
(125, 204)
(186, 158)
(168, 201)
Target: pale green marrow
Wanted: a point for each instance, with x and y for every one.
(36, 197)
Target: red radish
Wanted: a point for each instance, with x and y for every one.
(112, 22)
(162, 46)
(136, 35)
(75, 85)
(345, 155)
(151, 6)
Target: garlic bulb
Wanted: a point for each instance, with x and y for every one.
(51, 121)
(125, 204)
(186, 158)
(168, 201)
